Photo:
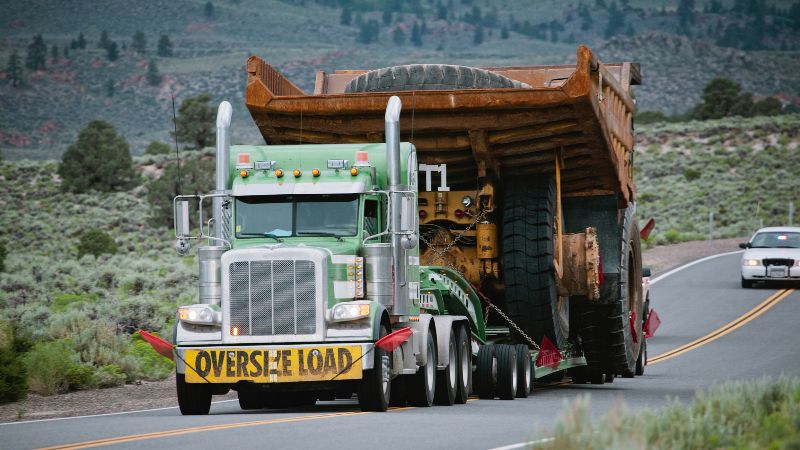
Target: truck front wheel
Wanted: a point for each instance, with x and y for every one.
(193, 399)
(374, 393)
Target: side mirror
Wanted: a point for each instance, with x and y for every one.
(646, 272)
(744, 245)
(182, 218)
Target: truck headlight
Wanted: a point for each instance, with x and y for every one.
(751, 262)
(349, 311)
(200, 315)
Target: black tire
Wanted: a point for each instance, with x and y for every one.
(524, 371)
(589, 324)
(423, 384)
(609, 378)
(447, 380)
(284, 400)
(506, 371)
(250, 400)
(579, 375)
(530, 287)
(747, 284)
(464, 364)
(486, 374)
(399, 395)
(374, 393)
(641, 361)
(193, 399)
(428, 77)
(596, 377)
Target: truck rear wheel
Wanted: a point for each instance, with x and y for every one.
(374, 392)
(447, 380)
(464, 365)
(487, 372)
(250, 400)
(193, 399)
(524, 373)
(428, 77)
(423, 384)
(530, 285)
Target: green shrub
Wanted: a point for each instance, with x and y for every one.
(47, 365)
(96, 243)
(81, 376)
(64, 302)
(672, 236)
(13, 377)
(691, 174)
(157, 148)
(3, 254)
(196, 176)
(110, 375)
(99, 160)
(94, 340)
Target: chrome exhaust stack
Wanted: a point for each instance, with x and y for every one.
(223, 156)
(400, 297)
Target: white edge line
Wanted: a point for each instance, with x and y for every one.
(525, 444)
(103, 415)
(508, 447)
(687, 265)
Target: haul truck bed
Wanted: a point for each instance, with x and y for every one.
(581, 112)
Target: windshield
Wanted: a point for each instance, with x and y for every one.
(776, 239)
(297, 215)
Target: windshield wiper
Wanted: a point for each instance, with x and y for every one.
(320, 233)
(267, 235)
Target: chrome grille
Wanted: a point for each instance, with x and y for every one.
(273, 297)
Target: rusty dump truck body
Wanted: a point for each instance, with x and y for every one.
(581, 112)
(536, 184)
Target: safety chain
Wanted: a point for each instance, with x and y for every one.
(481, 295)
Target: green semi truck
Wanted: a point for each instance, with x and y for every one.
(473, 274)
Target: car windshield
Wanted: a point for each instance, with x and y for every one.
(776, 239)
(297, 215)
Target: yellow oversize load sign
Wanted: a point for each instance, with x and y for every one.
(273, 366)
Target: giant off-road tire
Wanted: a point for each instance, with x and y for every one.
(528, 273)
(622, 341)
(429, 77)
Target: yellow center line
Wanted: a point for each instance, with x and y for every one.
(182, 431)
(761, 308)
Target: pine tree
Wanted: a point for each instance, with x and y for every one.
(164, 46)
(685, 16)
(477, 38)
(14, 70)
(139, 43)
(416, 35)
(195, 121)
(153, 77)
(104, 41)
(99, 160)
(112, 52)
(504, 33)
(37, 53)
(616, 21)
(82, 41)
(54, 51)
(73, 44)
(209, 10)
(398, 36)
(347, 16)
(66, 51)
(387, 14)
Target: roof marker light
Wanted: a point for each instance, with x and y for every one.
(279, 173)
(354, 171)
(315, 172)
(243, 173)
(297, 173)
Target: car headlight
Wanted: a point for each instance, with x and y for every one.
(751, 262)
(349, 311)
(200, 315)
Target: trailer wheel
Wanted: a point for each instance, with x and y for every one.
(524, 373)
(464, 364)
(193, 399)
(530, 285)
(375, 389)
(507, 380)
(487, 372)
(641, 361)
(423, 384)
(250, 400)
(428, 77)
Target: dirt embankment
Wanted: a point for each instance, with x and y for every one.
(161, 394)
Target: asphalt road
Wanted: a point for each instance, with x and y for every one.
(692, 304)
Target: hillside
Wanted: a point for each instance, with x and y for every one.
(678, 55)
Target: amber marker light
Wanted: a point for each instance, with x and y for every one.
(296, 173)
(243, 174)
(279, 173)
(315, 172)
(235, 331)
(354, 171)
